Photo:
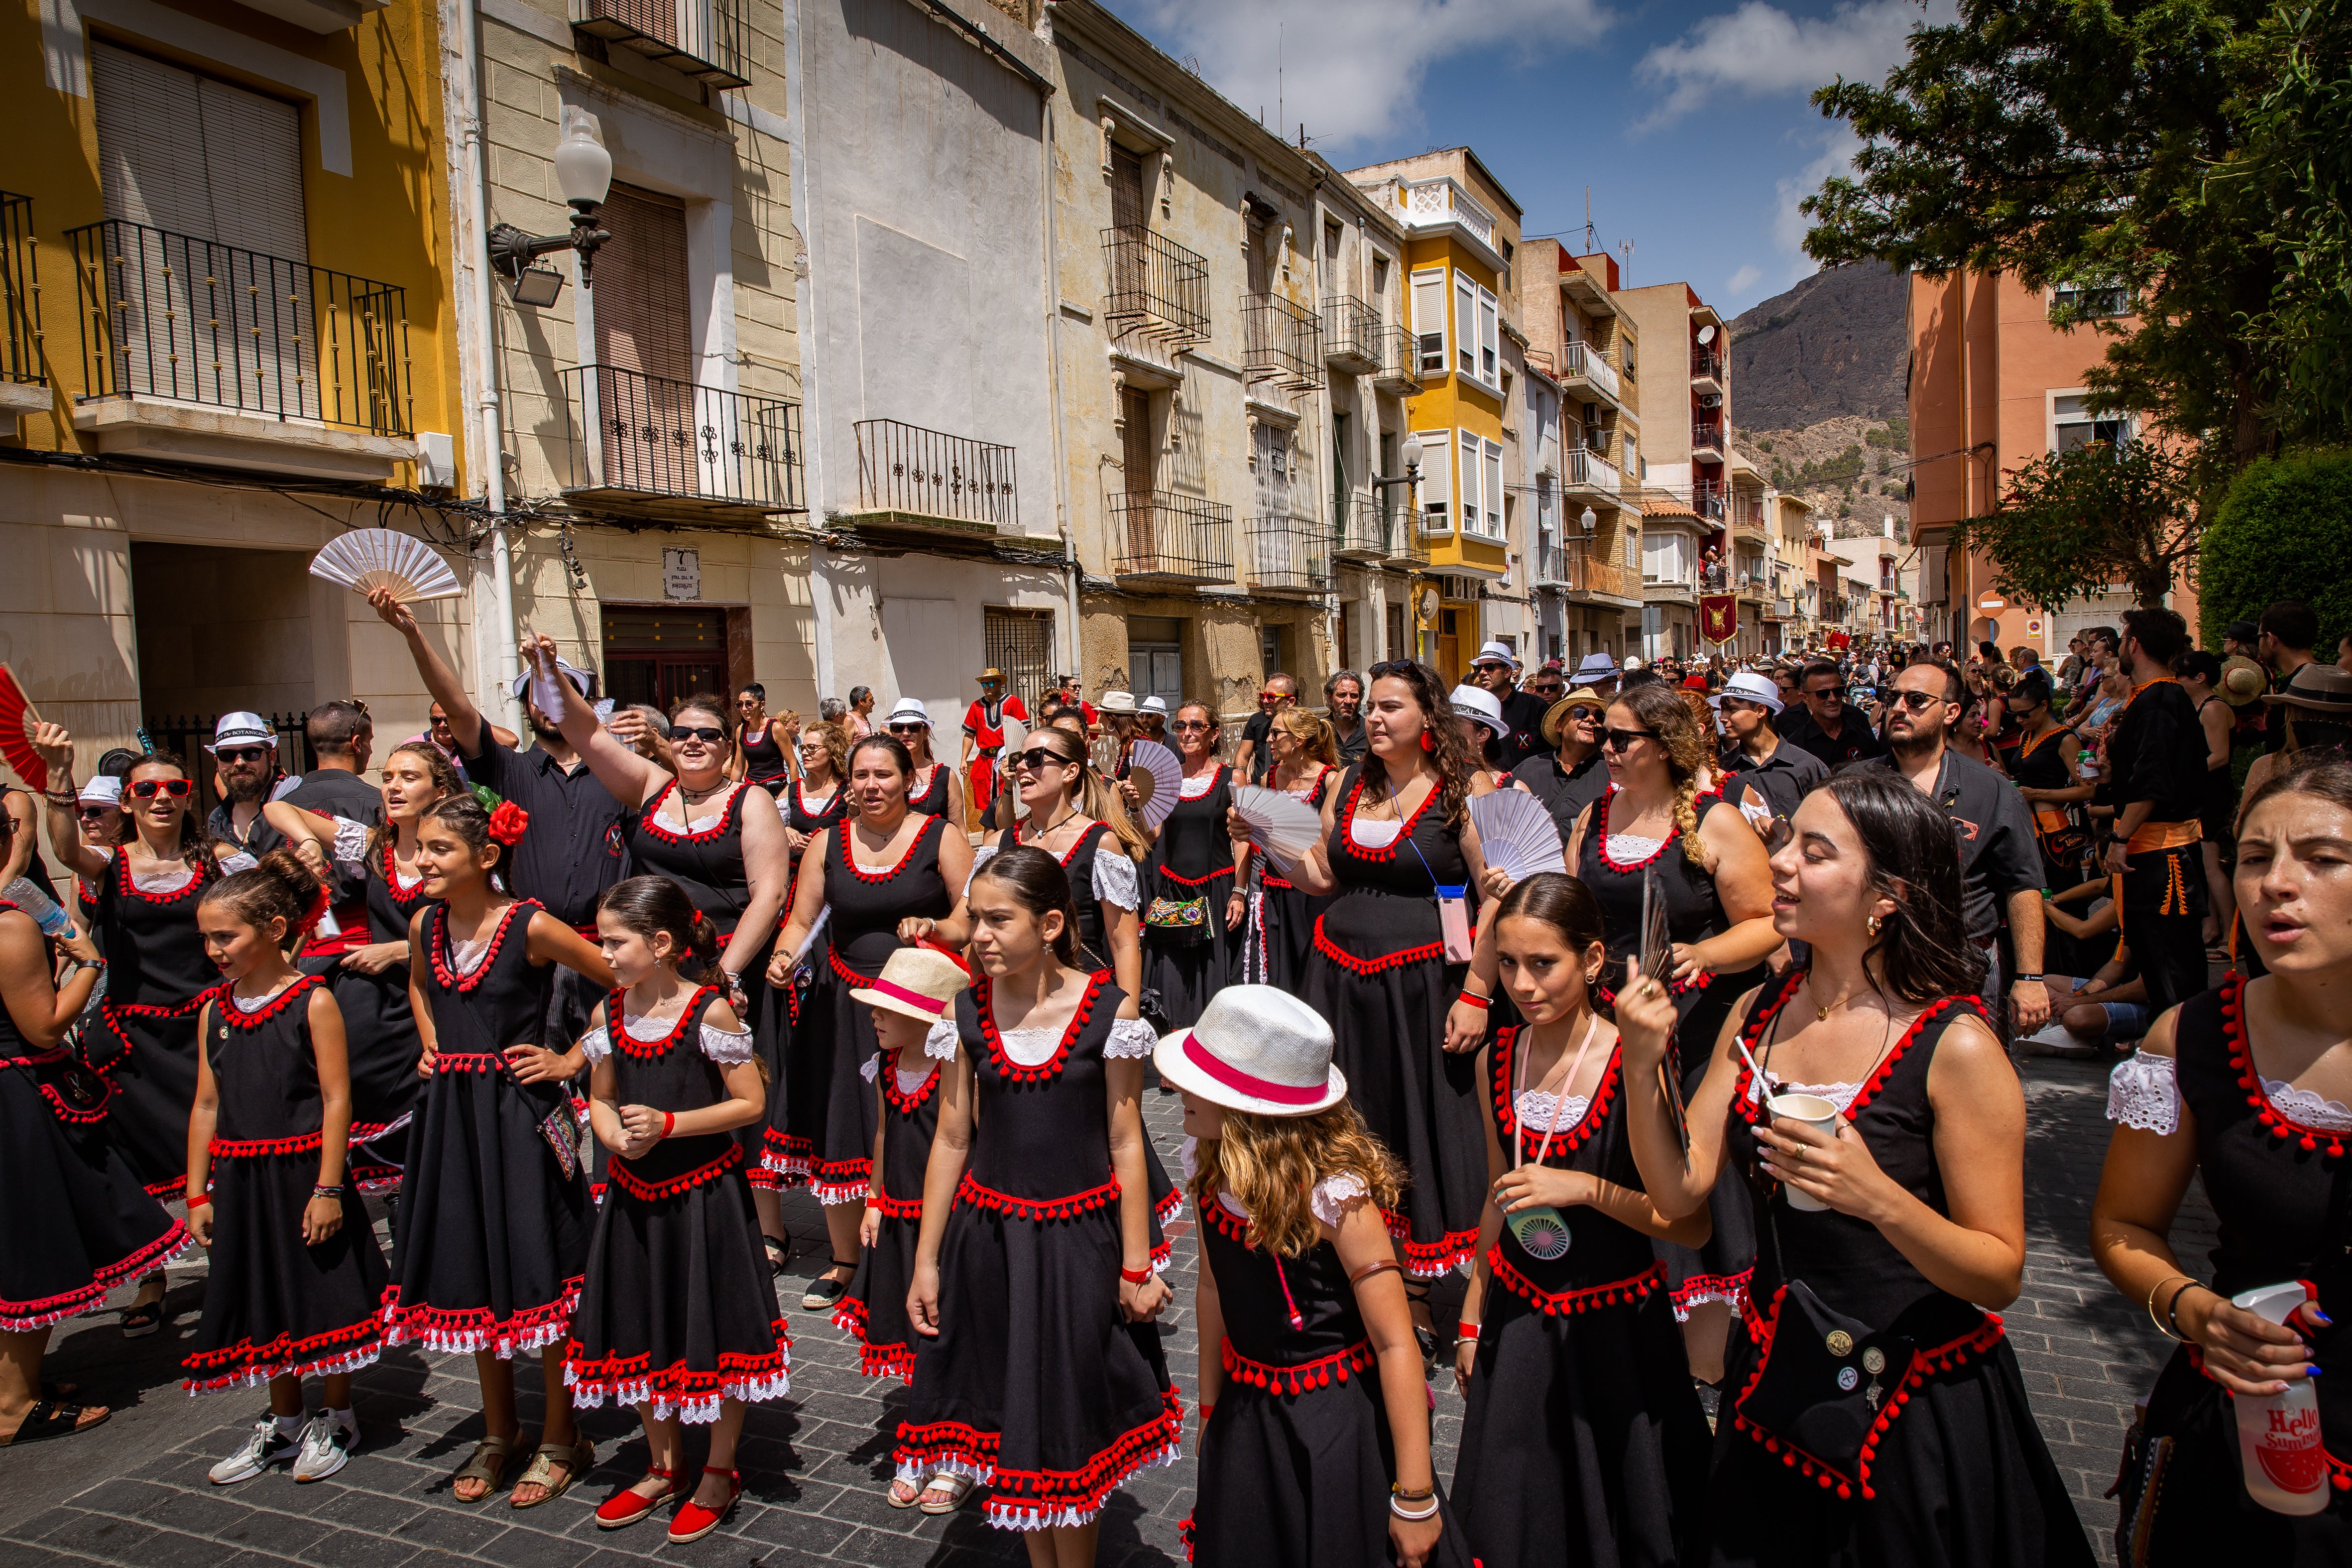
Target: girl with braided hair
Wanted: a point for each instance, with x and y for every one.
(1660, 817)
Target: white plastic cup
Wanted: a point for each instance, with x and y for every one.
(2279, 1442)
(1814, 1111)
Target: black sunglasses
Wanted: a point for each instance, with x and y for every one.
(703, 732)
(1918, 702)
(240, 754)
(1191, 724)
(1036, 757)
(1836, 691)
(1622, 739)
(95, 813)
(911, 729)
(1392, 667)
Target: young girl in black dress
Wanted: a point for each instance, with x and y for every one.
(1873, 1412)
(678, 1314)
(493, 1240)
(1313, 1419)
(916, 989)
(1583, 1441)
(1038, 1372)
(296, 1284)
(1196, 887)
(2245, 1088)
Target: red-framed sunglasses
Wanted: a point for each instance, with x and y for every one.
(148, 789)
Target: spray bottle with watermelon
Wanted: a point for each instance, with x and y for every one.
(2279, 1443)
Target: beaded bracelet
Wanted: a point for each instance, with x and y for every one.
(323, 1191)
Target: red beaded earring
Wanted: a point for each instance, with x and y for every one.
(1428, 742)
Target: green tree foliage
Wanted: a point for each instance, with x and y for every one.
(2284, 532)
(2070, 523)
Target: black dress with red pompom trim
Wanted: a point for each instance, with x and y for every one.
(493, 1234)
(830, 1124)
(74, 1221)
(273, 1305)
(1297, 1459)
(1582, 1441)
(1379, 975)
(1035, 1387)
(2272, 1181)
(1719, 1270)
(1192, 859)
(875, 1307)
(380, 1031)
(157, 969)
(1955, 1472)
(678, 1309)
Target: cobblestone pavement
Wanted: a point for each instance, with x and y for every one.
(134, 1493)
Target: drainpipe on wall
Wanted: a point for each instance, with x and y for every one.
(487, 405)
(1053, 304)
(805, 315)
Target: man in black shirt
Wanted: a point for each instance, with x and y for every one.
(1764, 776)
(2155, 757)
(574, 850)
(342, 739)
(1829, 727)
(1343, 694)
(1571, 776)
(244, 761)
(1250, 760)
(1496, 668)
(2000, 863)
(2289, 633)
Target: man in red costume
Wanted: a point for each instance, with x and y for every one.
(983, 738)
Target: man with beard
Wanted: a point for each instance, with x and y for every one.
(1343, 695)
(1281, 692)
(2000, 863)
(574, 850)
(244, 758)
(1496, 668)
(1829, 726)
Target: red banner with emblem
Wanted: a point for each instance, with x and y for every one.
(1718, 618)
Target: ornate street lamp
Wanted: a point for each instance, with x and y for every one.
(583, 173)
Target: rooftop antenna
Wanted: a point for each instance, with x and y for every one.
(1625, 249)
(1588, 246)
(1281, 112)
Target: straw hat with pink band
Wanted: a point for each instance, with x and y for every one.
(919, 981)
(1256, 1049)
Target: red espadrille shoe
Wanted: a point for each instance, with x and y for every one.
(693, 1522)
(628, 1505)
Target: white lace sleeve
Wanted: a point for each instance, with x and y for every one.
(596, 1044)
(2144, 1092)
(1332, 1195)
(727, 1047)
(1115, 881)
(870, 1070)
(980, 857)
(941, 1041)
(1188, 1154)
(1131, 1037)
(351, 841)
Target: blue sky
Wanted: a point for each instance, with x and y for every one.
(1687, 119)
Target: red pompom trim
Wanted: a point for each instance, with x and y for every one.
(257, 1148)
(1626, 1292)
(1430, 1260)
(894, 1208)
(227, 1011)
(1753, 1111)
(1344, 839)
(479, 1327)
(404, 902)
(874, 1361)
(834, 1181)
(1355, 966)
(632, 1380)
(616, 1025)
(124, 887)
(247, 1365)
(1013, 1071)
(2285, 1130)
(1567, 1140)
(1015, 1495)
(849, 862)
(27, 1317)
(628, 1181)
(1219, 874)
(969, 1191)
(1291, 1381)
(1601, 838)
(730, 817)
(887, 1079)
(436, 944)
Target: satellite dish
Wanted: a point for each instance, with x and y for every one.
(1706, 335)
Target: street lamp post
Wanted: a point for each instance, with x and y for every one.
(583, 173)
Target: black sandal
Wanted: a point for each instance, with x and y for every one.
(139, 1320)
(780, 1255)
(824, 1293)
(47, 1418)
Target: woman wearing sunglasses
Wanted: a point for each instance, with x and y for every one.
(936, 790)
(1657, 822)
(98, 813)
(724, 842)
(1194, 900)
(762, 751)
(882, 865)
(146, 923)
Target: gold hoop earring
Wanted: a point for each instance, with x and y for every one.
(1873, 923)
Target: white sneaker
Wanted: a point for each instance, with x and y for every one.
(327, 1444)
(265, 1447)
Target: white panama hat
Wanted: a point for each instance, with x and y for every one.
(1477, 703)
(1256, 1049)
(919, 981)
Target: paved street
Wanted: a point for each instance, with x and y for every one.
(134, 1493)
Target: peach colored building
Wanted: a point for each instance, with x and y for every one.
(1993, 386)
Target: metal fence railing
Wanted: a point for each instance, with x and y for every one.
(1589, 471)
(650, 436)
(1281, 341)
(704, 40)
(171, 316)
(1372, 529)
(1288, 555)
(1705, 365)
(1352, 334)
(1157, 287)
(1398, 360)
(1707, 437)
(185, 736)
(1582, 362)
(905, 467)
(20, 293)
(1160, 535)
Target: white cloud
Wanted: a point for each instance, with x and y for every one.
(1760, 50)
(1355, 77)
(1838, 144)
(1742, 281)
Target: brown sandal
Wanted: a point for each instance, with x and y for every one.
(577, 1459)
(51, 1418)
(487, 1464)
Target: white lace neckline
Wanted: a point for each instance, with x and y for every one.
(1539, 1113)
(256, 1003)
(1838, 1094)
(1195, 787)
(1630, 847)
(468, 956)
(2311, 1109)
(162, 881)
(1374, 834)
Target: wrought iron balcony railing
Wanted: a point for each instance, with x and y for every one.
(20, 293)
(1582, 362)
(1551, 566)
(1706, 365)
(1351, 335)
(905, 467)
(1160, 536)
(1708, 438)
(649, 438)
(1710, 499)
(1571, 564)
(1281, 342)
(1371, 529)
(704, 40)
(165, 315)
(1157, 287)
(1409, 541)
(1400, 353)
(1288, 555)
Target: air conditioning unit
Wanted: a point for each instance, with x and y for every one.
(1710, 400)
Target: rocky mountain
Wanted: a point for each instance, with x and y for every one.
(1817, 386)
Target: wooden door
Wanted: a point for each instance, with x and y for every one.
(1128, 209)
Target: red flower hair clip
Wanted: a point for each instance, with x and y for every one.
(319, 904)
(507, 822)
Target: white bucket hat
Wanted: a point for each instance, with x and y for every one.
(1256, 1049)
(1477, 703)
(1596, 666)
(919, 982)
(909, 711)
(1758, 688)
(243, 729)
(1116, 702)
(1495, 652)
(1153, 705)
(101, 789)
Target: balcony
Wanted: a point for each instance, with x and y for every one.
(1711, 499)
(1707, 441)
(1281, 342)
(199, 351)
(1583, 371)
(1430, 203)
(703, 39)
(1158, 289)
(1288, 555)
(1747, 514)
(24, 378)
(1590, 473)
(1706, 368)
(1400, 353)
(1373, 529)
(669, 449)
(1160, 539)
(914, 479)
(1351, 335)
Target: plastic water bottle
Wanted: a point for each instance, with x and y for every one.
(27, 895)
(2279, 1445)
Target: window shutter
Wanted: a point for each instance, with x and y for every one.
(1437, 475)
(151, 169)
(1472, 492)
(643, 320)
(253, 164)
(1494, 489)
(1429, 320)
(1466, 326)
(1489, 350)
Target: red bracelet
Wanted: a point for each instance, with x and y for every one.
(1481, 1003)
(1206, 1411)
(669, 1122)
(1136, 1275)
(1465, 1332)
(200, 1200)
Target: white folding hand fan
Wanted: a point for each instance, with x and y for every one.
(1517, 834)
(367, 559)
(1285, 827)
(1155, 772)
